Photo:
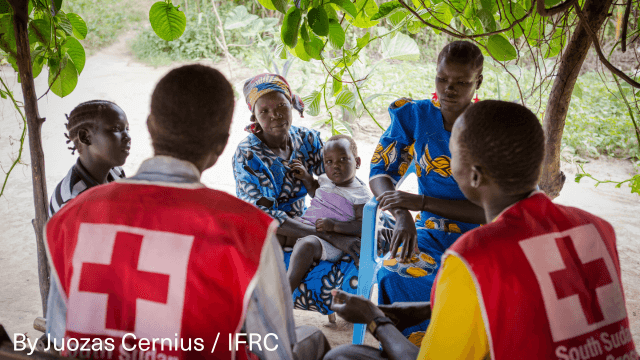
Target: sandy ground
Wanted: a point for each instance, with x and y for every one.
(112, 74)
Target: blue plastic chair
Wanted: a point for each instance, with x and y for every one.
(369, 258)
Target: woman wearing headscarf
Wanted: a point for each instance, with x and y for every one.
(263, 170)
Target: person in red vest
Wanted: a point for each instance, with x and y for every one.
(539, 281)
(160, 267)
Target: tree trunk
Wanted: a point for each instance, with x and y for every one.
(595, 12)
(34, 126)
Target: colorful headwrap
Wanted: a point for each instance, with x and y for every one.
(263, 84)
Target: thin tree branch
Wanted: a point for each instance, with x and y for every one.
(24, 132)
(625, 22)
(596, 45)
(554, 10)
(460, 35)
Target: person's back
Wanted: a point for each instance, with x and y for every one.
(153, 274)
(553, 260)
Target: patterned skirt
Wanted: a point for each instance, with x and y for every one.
(314, 293)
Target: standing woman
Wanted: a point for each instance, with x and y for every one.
(264, 177)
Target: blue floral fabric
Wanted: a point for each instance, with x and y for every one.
(417, 134)
(314, 293)
(260, 173)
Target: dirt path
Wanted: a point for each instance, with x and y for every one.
(112, 74)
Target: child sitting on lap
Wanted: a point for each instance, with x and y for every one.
(99, 131)
(338, 201)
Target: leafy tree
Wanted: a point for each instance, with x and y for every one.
(551, 36)
(35, 34)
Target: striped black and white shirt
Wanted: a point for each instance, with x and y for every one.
(77, 180)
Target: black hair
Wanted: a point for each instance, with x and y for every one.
(352, 143)
(191, 111)
(506, 140)
(86, 116)
(462, 52)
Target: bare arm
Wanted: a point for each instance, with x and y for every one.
(300, 172)
(296, 229)
(459, 210)
(405, 231)
(351, 227)
(356, 309)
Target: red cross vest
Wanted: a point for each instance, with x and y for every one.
(548, 282)
(152, 272)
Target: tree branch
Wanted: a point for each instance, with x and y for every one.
(596, 44)
(554, 10)
(625, 22)
(465, 36)
(24, 132)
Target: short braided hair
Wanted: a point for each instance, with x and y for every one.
(506, 140)
(352, 143)
(462, 52)
(86, 116)
(191, 107)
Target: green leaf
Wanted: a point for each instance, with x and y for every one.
(76, 53)
(579, 177)
(167, 21)
(40, 29)
(400, 47)
(58, 5)
(635, 184)
(79, 26)
(577, 91)
(280, 5)
(397, 16)
(62, 84)
(336, 34)
(304, 33)
(300, 52)
(238, 18)
(290, 25)
(64, 23)
(37, 66)
(442, 15)
(346, 6)
(414, 26)
(312, 103)
(346, 99)
(364, 40)
(487, 20)
(501, 48)
(386, 9)
(313, 47)
(318, 21)
(341, 127)
(337, 85)
(366, 9)
(5, 8)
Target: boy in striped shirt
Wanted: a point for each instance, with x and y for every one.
(99, 131)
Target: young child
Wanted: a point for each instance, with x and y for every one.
(99, 131)
(338, 200)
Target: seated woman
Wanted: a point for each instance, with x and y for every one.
(263, 170)
(99, 131)
(539, 281)
(420, 130)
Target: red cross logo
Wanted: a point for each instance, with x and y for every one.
(123, 282)
(580, 279)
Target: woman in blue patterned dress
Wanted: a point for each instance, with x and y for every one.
(262, 170)
(420, 131)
